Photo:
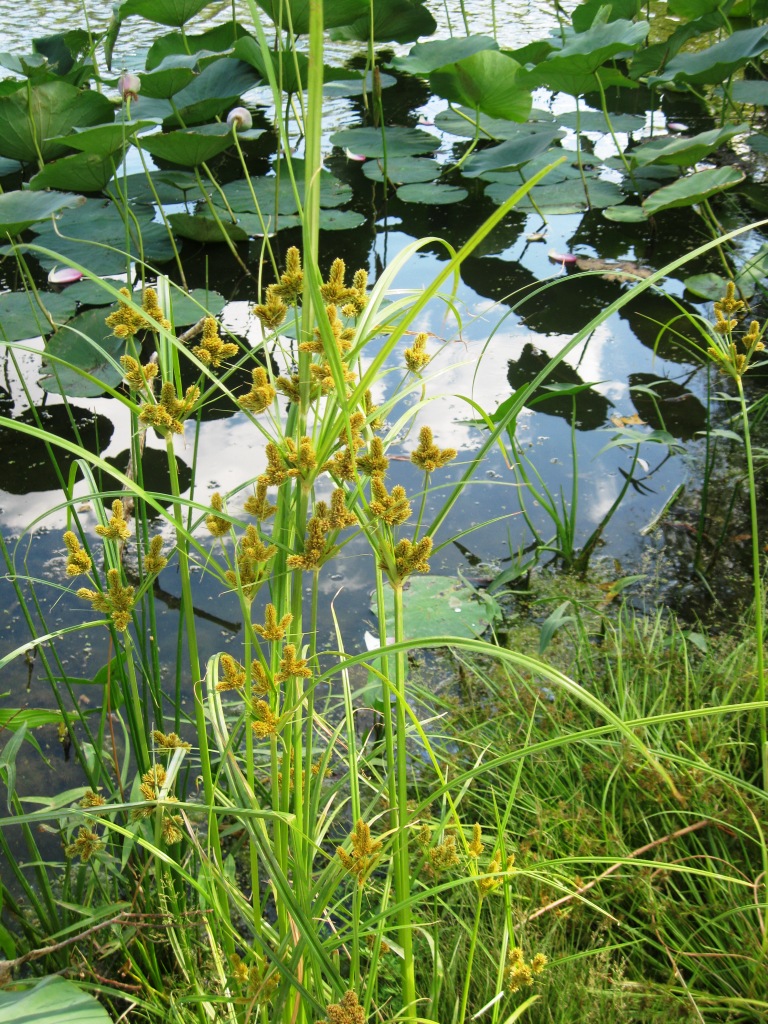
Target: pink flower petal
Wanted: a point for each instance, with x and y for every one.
(561, 257)
(64, 275)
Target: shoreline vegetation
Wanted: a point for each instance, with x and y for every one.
(570, 827)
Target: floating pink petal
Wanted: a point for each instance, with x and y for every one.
(64, 275)
(355, 156)
(561, 257)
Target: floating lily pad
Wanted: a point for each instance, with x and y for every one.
(84, 172)
(91, 293)
(30, 120)
(341, 220)
(466, 123)
(692, 189)
(21, 316)
(426, 57)
(341, 88)
(189, 308)
(487, 81)
(86, 345)
(271, 194)
(528, 143)
(166, 12)
(594, 121)
(191, 147)
(403, 171)
(202, 228)
(625, 214)
(706, 286)
(400, 141)
(441, 606)
(19, 210)
(431, 194)
(171, 186)
(682, 152)
(566, 197)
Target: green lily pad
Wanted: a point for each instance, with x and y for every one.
(343, 88)
(191, 147)
(21, 209)
(217, 39)
(398, 21)
(202, 228)
(715, 64)
(528, 143)
(403, 171)
(572, 69)
(84, 172)
(219, 86)
(171, 186)
(86, 345)
(594, 121)
(441, 606)
(169, 77)
(167, 12)
(35, 118)
(466, 123)
(625, 214)
(706, 286)
(487, 81)
(103, 139)
(400, 141)
(758, 143)
(22, 318)
(565, 197)
(692, 189)
(748, 90)
(52, 1000)
(291, 73)
(682, 152)
(340, 12)
(431, 194)
(341, 220)
(426, 57)
(90, 293)
(189, 308)
(271, 196)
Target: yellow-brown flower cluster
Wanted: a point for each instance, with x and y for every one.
(417, 357)
(261, 395)
(348, 1011)
(213, 350)
(428, 456)
(518, 973)
(78, 560)
(116, 601)
(117, 529)
(136, 376)
(365, 852)
(86, 844)
(167, 416)
(252, 558)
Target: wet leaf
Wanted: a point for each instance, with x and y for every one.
(487, 81)
(527, 144)
(18, 210)
(685, 152)
(706, 286)
(626, 214)
(29, 120)
(341, 220)
(716, 63)
(426, 57)
(22, 318)
(86, 345)
(85, 172)
(202, 228)
(166, 12)
(399, 141)
(431, 194)
(692, 189)
(403, 171)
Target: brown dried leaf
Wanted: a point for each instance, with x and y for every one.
(620, 271)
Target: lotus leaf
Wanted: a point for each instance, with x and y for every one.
(167, 12)
(30, 120)
(716, 63)
(750, 91)
(432, 195)
(218, 39)
(219, 85)
(426, 57)
(103, 139)
(90, 293)
(528, 143)
(398, 21)
(82, 172)
(52, 1000)
(33, 65)
(685, 152)
(87, 346)
(191, 147)
(342, 88)
(171, 186)
(442, 606)
(692, 189)
(340, 220)
(706, 286)
(594, 121)
(758, 143)
(403, 171)
(487, 81)
(62, 49)
(22, 318)
(584, 14)
(400, 141)
(572, 69)
(467, 123)
(203, 228)
(189, 308)
(290, 72)
(170, 76)
(658, 54)
(625, 214)
(340, 12)
(566, 197)
(19, 210)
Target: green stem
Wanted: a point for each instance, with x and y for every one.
(470, 957)
(758, 586)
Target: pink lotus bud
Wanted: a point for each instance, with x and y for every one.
(241, 118)
(357, 157)
(129, 86)
(64, 275)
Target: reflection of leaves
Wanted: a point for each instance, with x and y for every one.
(621, 271)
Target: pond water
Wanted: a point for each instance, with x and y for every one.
(497, 346)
